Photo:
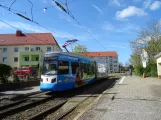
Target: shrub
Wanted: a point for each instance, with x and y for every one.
(4, 72)
(150, 70)
(138, 70)
(15, 78)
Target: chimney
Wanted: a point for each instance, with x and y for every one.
(19, 33)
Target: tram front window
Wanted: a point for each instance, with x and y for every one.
(50, 69)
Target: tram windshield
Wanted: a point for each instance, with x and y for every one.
(50, 67)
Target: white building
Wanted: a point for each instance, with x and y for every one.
(158, 58)
(21, 49)
(111, 58)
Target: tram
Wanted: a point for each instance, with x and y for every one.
(62, 71)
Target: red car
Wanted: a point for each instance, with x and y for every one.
(24, 71)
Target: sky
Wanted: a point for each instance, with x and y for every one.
(102, 25)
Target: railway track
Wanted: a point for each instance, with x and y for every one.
(11, 106)
(50, 105)
(77, 103)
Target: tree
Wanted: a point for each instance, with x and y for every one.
(4, 72)
(80, 49)
(149, 39)
(135, 59)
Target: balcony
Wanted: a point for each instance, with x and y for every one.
(30, 58)
(21, 53)
(30, 63)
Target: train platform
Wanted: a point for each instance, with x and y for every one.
(131, 98)
(19, 92)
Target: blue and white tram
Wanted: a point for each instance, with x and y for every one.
(62, 71)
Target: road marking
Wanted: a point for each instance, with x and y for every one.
(121, 81)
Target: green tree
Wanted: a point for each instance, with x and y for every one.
(149, 39)
(80, 49)
(135, 59)
(4, 72)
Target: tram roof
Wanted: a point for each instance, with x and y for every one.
(66, 53)
(73, 55)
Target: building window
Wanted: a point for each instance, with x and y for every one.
(5, 59)
(37, 58)
(26, 48)
(26, 58)
(15, 59)
(16, 49)
(4, 49)
(48, 49)
(37, 48)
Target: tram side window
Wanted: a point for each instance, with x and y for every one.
(75, 65)
(85, 67)
(63, 67)
(93, 67)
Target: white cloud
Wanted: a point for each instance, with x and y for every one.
(37, 29)
(44, 1)
(3, 26)
(137, 0)
(146, 3)
(22, 26)
(114, 2)
(117, 46)
(123, 28)
(108, 26)
(129, 12)
(155, 5)
(128, 28)
(97, 8)
(66, 17)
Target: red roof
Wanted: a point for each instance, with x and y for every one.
(27, 39)
(103, 54)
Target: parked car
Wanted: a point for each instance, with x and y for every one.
(25, 71)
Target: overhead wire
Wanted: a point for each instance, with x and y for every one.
(22, 31)
(9, 9)
(82, 27)
(12, 4)
(31, 9)
(22, 16)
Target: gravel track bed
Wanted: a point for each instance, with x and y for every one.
(30, 101)
(5, 102)
(3, 96)
(81, 101)
(35, 110)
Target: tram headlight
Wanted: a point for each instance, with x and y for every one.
(53, 80)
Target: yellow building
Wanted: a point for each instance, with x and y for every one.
(21, 49)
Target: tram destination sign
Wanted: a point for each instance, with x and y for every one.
(50, 58)
(68, 57)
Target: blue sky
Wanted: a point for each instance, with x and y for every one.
(111, 22)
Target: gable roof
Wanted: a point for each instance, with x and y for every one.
(27, 39)
(103, 54)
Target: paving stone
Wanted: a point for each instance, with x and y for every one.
(135, 99)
